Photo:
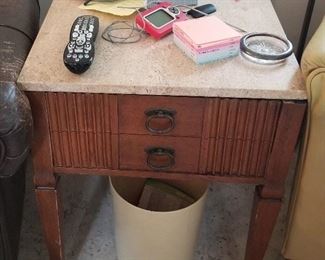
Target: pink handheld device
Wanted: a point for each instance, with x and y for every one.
(158, 20)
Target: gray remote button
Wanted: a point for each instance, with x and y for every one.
(88, 47)
(81, 40)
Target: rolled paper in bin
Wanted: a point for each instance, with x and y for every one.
(151, 235)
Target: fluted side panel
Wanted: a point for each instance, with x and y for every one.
(80, 129)
(240, 136)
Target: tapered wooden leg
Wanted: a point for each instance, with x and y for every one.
(264, 215)
(49, 211)
(267, 201)
(45, 181)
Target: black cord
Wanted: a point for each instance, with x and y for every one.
(87, 2)
(134, 35)
(305, 29)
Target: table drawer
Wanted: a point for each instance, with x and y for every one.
(174, 154)
(175, 116)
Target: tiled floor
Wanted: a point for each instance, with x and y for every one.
(88, 227)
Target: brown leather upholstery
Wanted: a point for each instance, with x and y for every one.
(18, 29)
(21, 15)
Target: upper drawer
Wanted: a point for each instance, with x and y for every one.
(175, 116)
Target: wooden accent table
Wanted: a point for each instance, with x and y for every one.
(146, 110)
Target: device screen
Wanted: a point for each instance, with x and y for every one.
(159, 18)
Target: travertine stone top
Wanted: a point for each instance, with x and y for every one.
(152, 67)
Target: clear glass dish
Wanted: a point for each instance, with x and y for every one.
(265, 48)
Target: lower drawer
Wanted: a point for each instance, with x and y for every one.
(159, 153)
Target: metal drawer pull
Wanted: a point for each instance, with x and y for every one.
(160, 113)
(159, 153)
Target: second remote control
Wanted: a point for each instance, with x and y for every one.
(80, 51)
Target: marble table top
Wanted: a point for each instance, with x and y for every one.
(152, 67)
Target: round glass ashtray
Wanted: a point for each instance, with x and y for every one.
(265, 48)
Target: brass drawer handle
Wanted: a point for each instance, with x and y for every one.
(155, 153)
(161, 114)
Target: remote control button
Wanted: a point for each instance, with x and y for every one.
(75, 34)
(89, 35)
(69, 56)
(77, 60)
(81, 40)
(80, 56)
(88, 47)
(86, 56)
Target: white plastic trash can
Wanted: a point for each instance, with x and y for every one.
(151, 235)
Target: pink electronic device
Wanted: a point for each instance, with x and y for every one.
(158, 20)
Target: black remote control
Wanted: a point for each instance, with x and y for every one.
(80, 51)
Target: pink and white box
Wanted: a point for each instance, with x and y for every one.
(206, 39)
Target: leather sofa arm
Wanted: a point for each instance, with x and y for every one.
(314, 54)
(15, 129)
(18, 27)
